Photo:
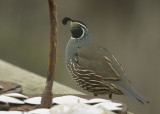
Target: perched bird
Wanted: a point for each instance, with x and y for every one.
(93, 67)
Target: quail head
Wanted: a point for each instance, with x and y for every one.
(93, 67)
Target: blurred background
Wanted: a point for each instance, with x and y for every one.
(130, 29)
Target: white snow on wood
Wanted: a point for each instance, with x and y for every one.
(16, 95)
(68, 99)
(10, 100)
(96, 100)
(109, 106)
(76, 109)
(12, 112)
(39, 111)
(33, 101)
(68, 104)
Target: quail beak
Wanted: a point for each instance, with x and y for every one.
(73, 25)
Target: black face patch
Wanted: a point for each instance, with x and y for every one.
(65, 20)
(77, 32)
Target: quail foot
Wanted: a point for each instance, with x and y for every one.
(93, 67)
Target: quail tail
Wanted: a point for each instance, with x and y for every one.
(133, 94)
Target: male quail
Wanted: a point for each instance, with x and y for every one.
(93, 67)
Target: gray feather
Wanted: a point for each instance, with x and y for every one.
(132, 93)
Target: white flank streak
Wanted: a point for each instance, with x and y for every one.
(75, 59)
(92, 73)
(118, 63)
(69, 65)
(96, 81)
(113, 69)
(81, 70)
(115, 59)
(77, 64)
(83, 74)
(98, 76)
(80, 80)
(84, 70)
(113, 85)
(107, 58)
(85, 77)
(71, 71)
(91, 84)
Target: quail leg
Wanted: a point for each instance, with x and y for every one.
(110, 96)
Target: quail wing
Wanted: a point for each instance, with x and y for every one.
(101, 61)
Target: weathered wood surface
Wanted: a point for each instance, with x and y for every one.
(31, 82)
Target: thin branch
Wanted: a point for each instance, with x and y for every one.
(46, 101)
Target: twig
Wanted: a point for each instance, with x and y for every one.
(46, 101)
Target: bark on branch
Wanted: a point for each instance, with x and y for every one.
(46, 101)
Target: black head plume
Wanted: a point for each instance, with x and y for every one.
(65, 20)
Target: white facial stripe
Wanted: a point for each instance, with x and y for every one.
(81, 25)
(82, 33)
(73, 38)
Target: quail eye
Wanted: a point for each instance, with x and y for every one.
(77, 32)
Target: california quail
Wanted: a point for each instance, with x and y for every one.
(93, 67)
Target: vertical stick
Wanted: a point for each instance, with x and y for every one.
(46, 101)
